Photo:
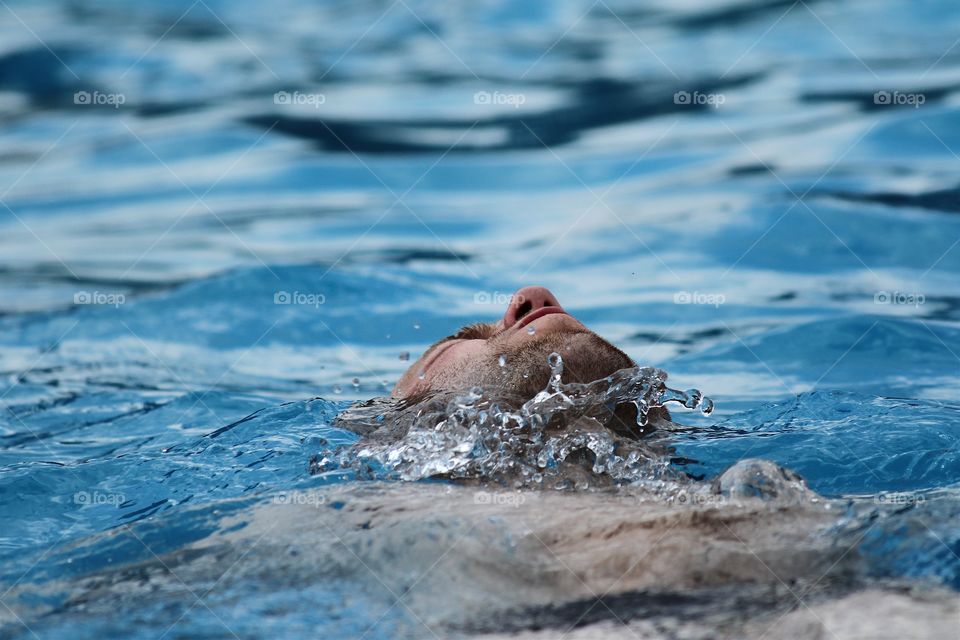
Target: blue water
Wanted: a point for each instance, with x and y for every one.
(814, 230)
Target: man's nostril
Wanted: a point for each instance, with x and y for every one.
(524, 309)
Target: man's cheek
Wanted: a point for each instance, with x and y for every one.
(459, 365)
(465, 355)
(414, 379)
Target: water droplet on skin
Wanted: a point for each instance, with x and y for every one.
(405, 356)
(337, 389)
(423, 374)
(503, 361)
(531, 330)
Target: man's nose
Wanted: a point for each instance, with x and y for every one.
(526, 300)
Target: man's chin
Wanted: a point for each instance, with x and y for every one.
(586, 357)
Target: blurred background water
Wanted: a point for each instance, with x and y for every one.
(209, 209)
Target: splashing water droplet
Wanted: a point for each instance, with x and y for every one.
(479, 435)
(502, 360)
(706, 406)
(405, 356)
(531, 330)
(556, 371)
(641, 414)
(693, 398)
(356, 383)
(416, 326)
(337, 389)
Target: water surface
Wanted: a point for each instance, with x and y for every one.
(292, 196)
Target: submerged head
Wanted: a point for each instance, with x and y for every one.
(510, 355)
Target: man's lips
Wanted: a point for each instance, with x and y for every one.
(539, 313)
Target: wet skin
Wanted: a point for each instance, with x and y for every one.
(507, 359)
(533, 326)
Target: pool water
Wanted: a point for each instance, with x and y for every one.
(221, 223)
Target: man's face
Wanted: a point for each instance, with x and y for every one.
(510, 355)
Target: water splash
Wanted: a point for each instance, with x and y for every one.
(569, 435)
